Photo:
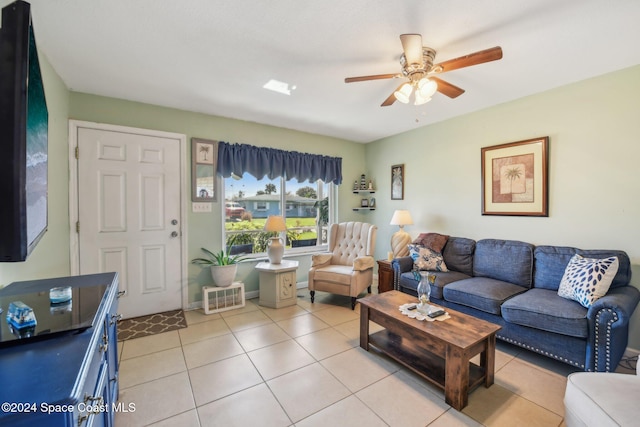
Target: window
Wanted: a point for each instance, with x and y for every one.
(307, 207)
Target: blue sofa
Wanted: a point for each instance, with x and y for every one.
(515, 285)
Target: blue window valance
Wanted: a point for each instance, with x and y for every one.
(264, 161)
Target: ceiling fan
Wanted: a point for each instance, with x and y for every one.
(417, 66)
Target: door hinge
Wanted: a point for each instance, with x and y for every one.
(77, 153)
(77, 226)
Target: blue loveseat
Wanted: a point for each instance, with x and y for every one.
(515, 285)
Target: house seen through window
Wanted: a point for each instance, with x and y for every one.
(249, 201)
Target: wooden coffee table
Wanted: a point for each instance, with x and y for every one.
(439, 351)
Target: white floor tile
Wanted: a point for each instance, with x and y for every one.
(152, 366)
(255, 406)
(280, 358)
(400, 401)
(220, 379)
(211, 350)
(306, 391)
(347, 412)
(155, 400)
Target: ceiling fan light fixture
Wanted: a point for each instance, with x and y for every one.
(420, 99)
(426, 88)
(403, 93)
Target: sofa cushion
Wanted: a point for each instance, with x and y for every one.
(458, 254)
(426, 258)
(408, 281)
(587, 279)
(551, 261)
(544, 309)
(506, 260)
(432, 241)
(482, 293)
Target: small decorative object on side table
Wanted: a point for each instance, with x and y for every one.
(278, 284)
(385, 276)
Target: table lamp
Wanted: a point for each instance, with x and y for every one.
(401, 238)
(275, 250)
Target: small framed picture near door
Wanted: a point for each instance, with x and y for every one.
(514, 178)
(397, 182)
(204, 158)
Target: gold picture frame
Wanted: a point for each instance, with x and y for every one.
(397, 182)
(515, 178)
(204, 158)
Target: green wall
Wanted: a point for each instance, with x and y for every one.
(204, 229)
(594, 179)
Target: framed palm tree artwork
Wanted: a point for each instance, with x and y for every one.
(514, 178)
(204, 159)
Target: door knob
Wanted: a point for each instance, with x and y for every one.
(174, 234)
(174, 222)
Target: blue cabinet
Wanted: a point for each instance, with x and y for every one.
(63, 378)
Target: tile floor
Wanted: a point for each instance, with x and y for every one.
(302, 366)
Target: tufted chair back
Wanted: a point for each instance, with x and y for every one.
(347, 268)
(349, 240)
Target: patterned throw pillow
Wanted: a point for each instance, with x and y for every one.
(427, 259)
(587, 279)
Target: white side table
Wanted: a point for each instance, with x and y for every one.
(278, 284)
(216, 299)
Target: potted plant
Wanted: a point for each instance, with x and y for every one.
(223, 266)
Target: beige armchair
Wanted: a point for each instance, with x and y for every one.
(347, 269)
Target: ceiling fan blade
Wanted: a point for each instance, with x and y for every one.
(412, 46)
(487, 55)
(392, 98)
(446, 88)
(374, 77)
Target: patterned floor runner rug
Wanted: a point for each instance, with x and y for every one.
(151, 324)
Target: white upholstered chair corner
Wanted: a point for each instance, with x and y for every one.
(347, 269)
(602, 399)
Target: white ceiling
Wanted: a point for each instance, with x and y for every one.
(214, 56)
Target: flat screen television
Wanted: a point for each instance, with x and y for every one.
(23, 137)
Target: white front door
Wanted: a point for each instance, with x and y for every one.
(129, 216)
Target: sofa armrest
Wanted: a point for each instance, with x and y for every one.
(318, 260)
(399, 266)
(608, 319)
(363, 263)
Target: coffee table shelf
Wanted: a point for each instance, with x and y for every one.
(420, 360)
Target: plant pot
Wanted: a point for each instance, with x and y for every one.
(223, 275)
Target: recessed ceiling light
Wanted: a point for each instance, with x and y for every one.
(278, 86)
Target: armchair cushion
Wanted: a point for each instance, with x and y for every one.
(335, 274)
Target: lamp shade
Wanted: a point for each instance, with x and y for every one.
(275, 223)
(401, 217)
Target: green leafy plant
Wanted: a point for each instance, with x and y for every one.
(217, 258)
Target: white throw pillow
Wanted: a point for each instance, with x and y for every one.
(587, 279)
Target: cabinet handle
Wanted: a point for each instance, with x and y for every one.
(88, 398)
(120, 293)
(115, 318)
(103, 347)
(81, 419)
